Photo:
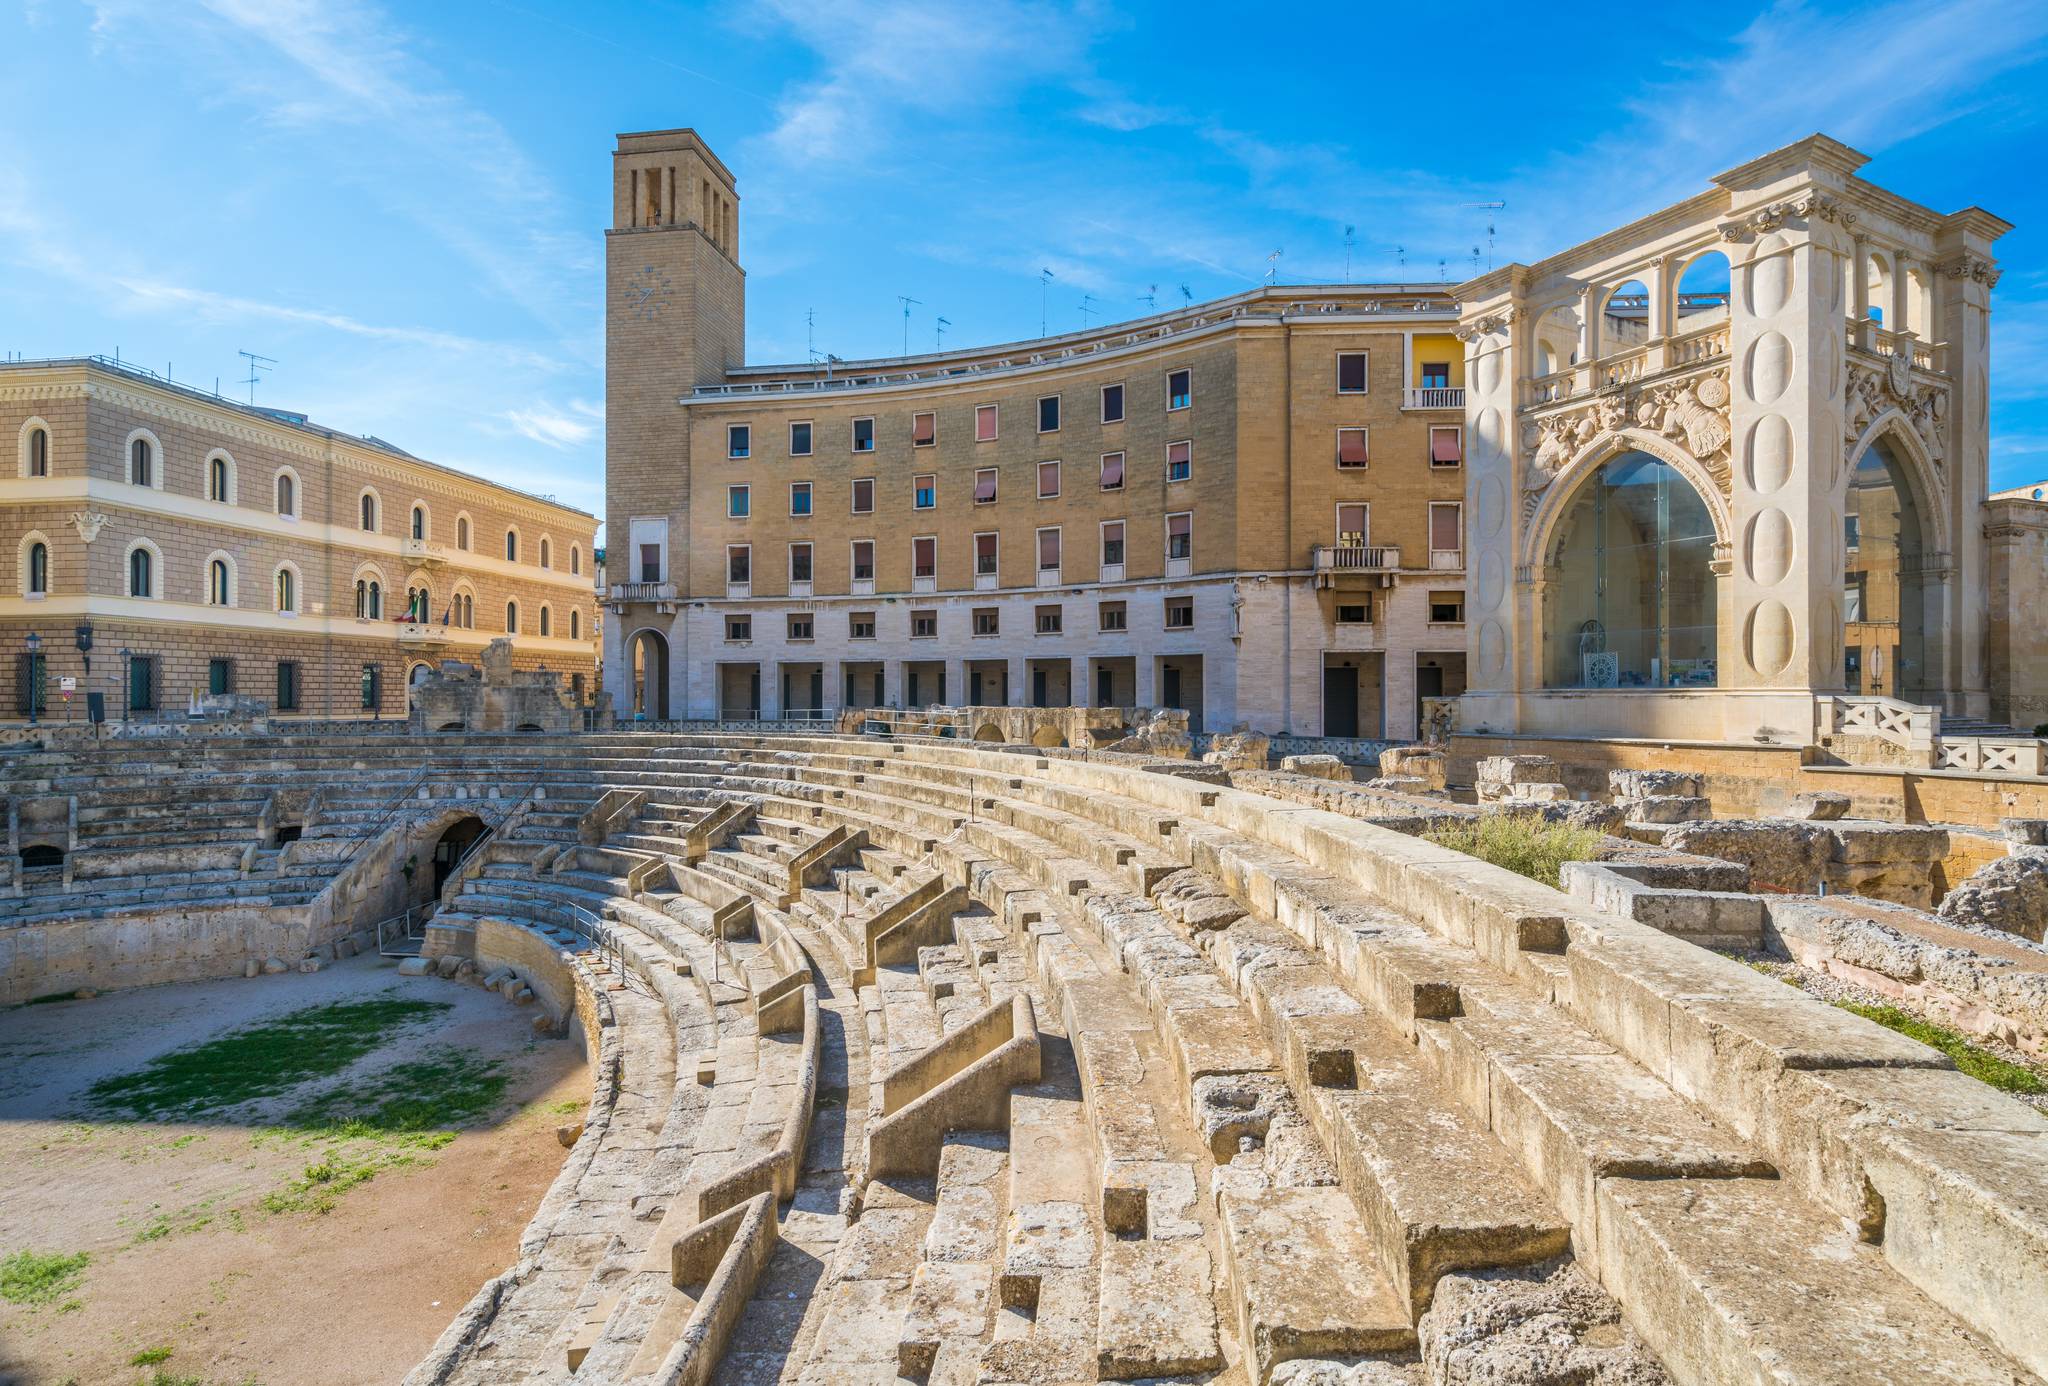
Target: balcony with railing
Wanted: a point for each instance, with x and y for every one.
(424, 551)
(1434, 397)
(1333, 560)
(421, 635)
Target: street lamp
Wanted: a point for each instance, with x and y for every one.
(35, 673)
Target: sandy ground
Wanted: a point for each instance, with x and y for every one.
(357, 1294)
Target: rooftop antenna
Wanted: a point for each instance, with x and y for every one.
(1443, 270)
(811, 333)
(1087, 307)
(1348, 229)
(939, 333)
(1187, 296)
(1490, 207)
(906, 300)
(1475, 260)
(1273, 267)
(1401, 258)
(1044, 279)
(257, 364)
(1150, 298)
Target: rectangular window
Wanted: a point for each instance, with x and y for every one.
(1351, 376)
(373, 686)
(924, 430)
(1351, 449)
(985, 551)
(924, 625)
(800, 498)
(799, 562)
(1852, 596)
(1447, 608)
(736, 502)
(220, 676)
(287, 685)
(1852, 531)
(800, 625)
(738, 440)
(1113, 542)
(739, 563)
(1444, 517)
(863, 435)
(1180, 463)
(1180, 613)
(1351, 525)
(1049, 620)
(927, 492)
(650, 563)
(860, 625)
(739, 628)
(864, 495)
(1110, 616)
(1436, 375)
(1359, 614)
(1112, 471)
(1446, 445)
(1180, 535)
(863, 560)
(1048, 480)
(799, 440)
(1048, 550)
(1049, 414)
(985, 486)
(1179, 389)
(1112, 404)
(987, 621)
(985, 422)
(924, 557)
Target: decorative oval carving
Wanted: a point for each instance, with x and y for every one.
(1829, 636)
(1829, 266)
(1493, 647)
(1767, 549)
(1769, 639)
(1493, 505)
(1770, 454)
(1489, 371)
(1770, 367)
(1488, 434)
(1979, 396)
(1770, 284)
(1492, 583)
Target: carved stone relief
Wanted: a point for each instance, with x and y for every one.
(1875, 389)
(1693, 411)
(89, 523)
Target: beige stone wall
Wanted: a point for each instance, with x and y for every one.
(2016, 641)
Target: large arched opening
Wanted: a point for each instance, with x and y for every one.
(455, 843)
(1885, 587)
(648, 660)
(1632, 593)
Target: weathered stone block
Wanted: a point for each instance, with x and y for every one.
(1424, 762)
(1648, 784)
(1321, 767)
(1670, 808)
(1817, 805)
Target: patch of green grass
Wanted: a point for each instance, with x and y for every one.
(1521, 842)
(163, 1378)
(568, 1106)
(39, 1277)
(149, 1357)
(260, 1060)
(1980, 1064)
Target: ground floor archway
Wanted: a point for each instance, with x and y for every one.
(457, 840)
(647, 659)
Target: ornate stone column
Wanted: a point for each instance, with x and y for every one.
(1498, 336)
(1966, 276)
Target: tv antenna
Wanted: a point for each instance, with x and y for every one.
(1187, 296)
(1150, 298)
(906, 300)
(257, 364)
(1348, 238)
(1044, 280)
(1487, 207)
(1273, 267)
(1087, 307)
(939, 333)
(1443, 270)
(811, 333)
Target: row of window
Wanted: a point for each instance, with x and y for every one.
(144, 470)
(142, 683)
(924, 551)
(924, 425)
(1178, 613)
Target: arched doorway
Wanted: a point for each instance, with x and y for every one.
(452, 846)
(1884, 587)
(1631, 602)
(414, 677)
(648, 660)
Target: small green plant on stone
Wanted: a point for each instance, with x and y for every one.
(149, 1357)
(36, 1277)
(1980, 1064)
(1521, 842)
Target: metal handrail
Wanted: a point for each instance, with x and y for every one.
(384, 818)
(601, 934)
(425, 911)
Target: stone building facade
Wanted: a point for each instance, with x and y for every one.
(1252, 509)
(199, 546)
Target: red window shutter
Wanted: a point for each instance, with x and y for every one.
(985, 486)
(1113, 470)
(1443, 526)
(1048, 548)
(1444, 445)
(1351, 447)
(924, 428)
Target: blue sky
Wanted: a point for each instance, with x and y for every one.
(403, 203)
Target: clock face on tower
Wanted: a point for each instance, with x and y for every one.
(649, 293)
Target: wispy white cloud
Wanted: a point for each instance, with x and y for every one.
(558, 428)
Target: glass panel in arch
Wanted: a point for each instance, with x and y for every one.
(1632, 599)
(1883, 586)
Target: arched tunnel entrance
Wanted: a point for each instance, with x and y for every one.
(452, 846)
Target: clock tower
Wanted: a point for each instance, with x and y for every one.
(675, 319)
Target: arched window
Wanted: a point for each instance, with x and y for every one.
(545, 559)
(512, 618)
(469, 612)
(511, 546)
(369, 512)
(38, 461)
(419, 522)
(575, 558)
(419, 604)
(1885, 638)
(462, 532)
(546, 621)
(38, 569)
(287, 494)
(287, 591)
(220, 478)
(1634, 582)
(1703, 291)
(141, 573)
(219, 583)
(141, 462)
(575, 625)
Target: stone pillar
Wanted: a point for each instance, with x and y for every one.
(771, 689)
(956, 682)
(1498, 339)
(1020, 689)
(1146, 674)
(892, 683)
(1965, 277)
(835, 691)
